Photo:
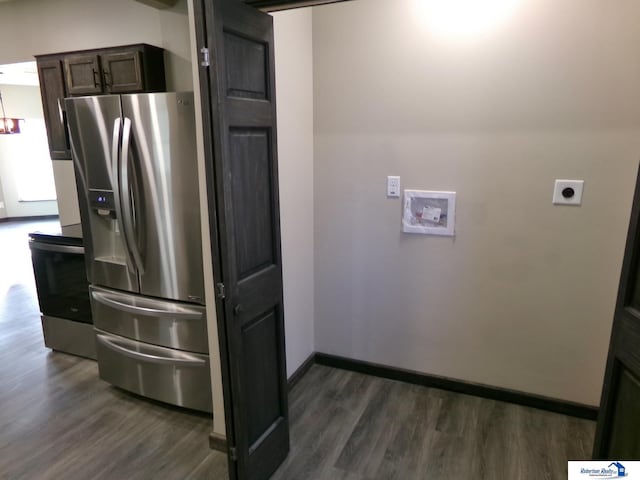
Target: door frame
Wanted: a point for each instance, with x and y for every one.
(204, 82)
(612, 368)
(209, 155)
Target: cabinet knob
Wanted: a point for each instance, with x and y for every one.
(237, 310)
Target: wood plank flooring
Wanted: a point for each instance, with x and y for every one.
(58, 420)
(349, 426)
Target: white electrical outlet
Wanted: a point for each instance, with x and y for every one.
(568, 192)
(1, 205)
(393, 187)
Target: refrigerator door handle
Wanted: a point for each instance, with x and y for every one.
(154, 354)
(147, 307)
(115, 183)
(125, 190)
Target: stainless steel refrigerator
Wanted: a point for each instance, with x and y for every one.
(136, 173)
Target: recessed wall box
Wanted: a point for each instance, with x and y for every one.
(568, 192)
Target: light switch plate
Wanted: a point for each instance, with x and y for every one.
(393, 187)
(568, 192)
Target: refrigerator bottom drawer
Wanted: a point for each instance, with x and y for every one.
(172, 376)
(161, 322)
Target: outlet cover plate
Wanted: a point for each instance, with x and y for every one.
(562, 188)
(393, 186)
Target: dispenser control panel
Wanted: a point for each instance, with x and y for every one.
(101, 199)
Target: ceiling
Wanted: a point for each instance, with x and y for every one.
(24, 73)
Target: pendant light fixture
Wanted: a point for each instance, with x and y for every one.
(8, 125)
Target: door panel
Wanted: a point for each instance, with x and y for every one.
(247, 229)
(633, 297)
(52, 90)
(91, 124)
(94, 124)
(167, 214)
(123, 72)
(260, 364)
(618, 429)
(246, 67)
(83, 75)
(625, 441)
(251, 192)
(60, 276)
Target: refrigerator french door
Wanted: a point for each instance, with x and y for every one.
(136, 172)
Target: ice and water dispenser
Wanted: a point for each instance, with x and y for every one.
(102, 201)
(108, 243)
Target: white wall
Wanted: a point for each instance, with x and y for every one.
(294, 95)
(24, 153)
(523, 296)
(45, 26)
(3, 207)
(66, 192)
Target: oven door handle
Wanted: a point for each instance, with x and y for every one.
(52, 247)
(174, 358)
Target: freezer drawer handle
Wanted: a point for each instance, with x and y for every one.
(107, 300)
(185, 360)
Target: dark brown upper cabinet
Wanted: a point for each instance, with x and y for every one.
(83, 75)
(122, 71)
(130, 69)
(52, 90)
(127, 69)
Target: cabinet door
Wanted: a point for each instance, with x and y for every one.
(53, 92)
(122, 71)
(82, 72)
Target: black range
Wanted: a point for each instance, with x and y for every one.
(63, 292)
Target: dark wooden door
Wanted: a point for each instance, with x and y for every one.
(82, 72)
(243, 173)
(53, 92)
(122, 71)
(618, 430)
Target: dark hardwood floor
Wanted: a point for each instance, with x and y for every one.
(349, 426)
(59, 421)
